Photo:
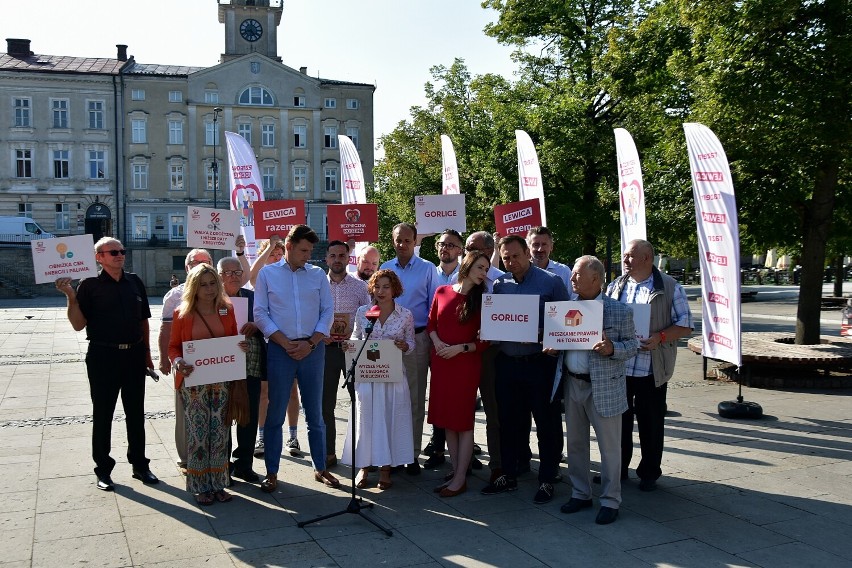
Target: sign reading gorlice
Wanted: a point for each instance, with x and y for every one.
(573, 325)
(381, 361)
(212, 228)
(216, 360)
(359, 221)
(518, 217)
(277, 217)
(64, 257)
(435, 213)
(509, 317)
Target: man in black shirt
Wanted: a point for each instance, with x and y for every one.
(113, 307)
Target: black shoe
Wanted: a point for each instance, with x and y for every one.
(544, 494)
(246, 475)
(574, 505)
(647, 484)
(500, 485)
(146, 476)
(475, 464)
(429, 449)
(105, 483)
(434, 461)
(606, 516)
(413, 469)
(477, 449)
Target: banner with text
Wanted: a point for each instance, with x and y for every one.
(450, 180)
(278, 217)
(631, 192)
(574, 325)
(718, 244)
(246, 187)
(352, 172)
(381, 361)
(517, 218)
(529, 172)
(212, 228)
(216, 360)
(64, 257)
(434, 213)
(509, 317)
(359, 222)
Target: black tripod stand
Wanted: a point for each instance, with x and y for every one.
(356, 505)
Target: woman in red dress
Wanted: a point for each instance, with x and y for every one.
(456, 361)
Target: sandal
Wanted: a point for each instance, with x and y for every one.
(269, 484)
(326, 479)
(385, 485)
(362, 481)
(204, 499)
(223, 496)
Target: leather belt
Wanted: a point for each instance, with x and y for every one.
(121, 346)
(585, 377)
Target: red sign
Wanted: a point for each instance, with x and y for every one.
(359, 221)
(277, 217)
(517, 218)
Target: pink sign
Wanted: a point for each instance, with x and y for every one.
(517, 218)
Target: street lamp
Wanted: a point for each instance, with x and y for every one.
(216, 112)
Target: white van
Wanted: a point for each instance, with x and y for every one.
(20, 230)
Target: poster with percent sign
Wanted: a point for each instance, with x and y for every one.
(212, 228)
(381, 361)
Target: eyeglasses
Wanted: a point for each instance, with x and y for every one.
(442, 245)
(121, 252)
(472, 249)
(197, 262)
(230, 273)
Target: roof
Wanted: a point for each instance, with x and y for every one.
(158, 69)
(345, 83)
(60, 64)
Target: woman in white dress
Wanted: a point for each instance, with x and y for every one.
(383, 410)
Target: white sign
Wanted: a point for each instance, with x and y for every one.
(529, 172)
(574, 325)
(510, 317)
(246, 187)
(212, 228)
(216, 360)
(641, 319)
(435, 213)
(240, 310)
(631, 193)
(64, 257)
(450, 177)
(381, 361)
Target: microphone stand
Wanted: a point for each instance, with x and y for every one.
(356, 505)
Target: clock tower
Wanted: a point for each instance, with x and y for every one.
(251, 26)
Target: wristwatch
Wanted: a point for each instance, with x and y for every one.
(313, 345)
(466, 348)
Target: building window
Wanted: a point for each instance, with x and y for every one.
(61, 164)
(96, 115)
(244, 130)
(330, 103)
(22, 112)
(300, 135)
(268, 178)
(140, 176)
(300, 178)
(97, 164)
(267, 135)
(63, 217)
(175, 132)
(138, 131)
(140, 226)
(330, 138)
(211, 133)
(177, 227)
(256, 96)
(60, 113)
(24, 163)
(25, 210)
(211, 97)
(175, 96)
(137, 94)
(176, 177)
(211, 179)
(298, 101)
(330, 179)
(352, 104)
(353, 133)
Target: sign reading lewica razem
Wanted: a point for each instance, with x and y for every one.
(435, 213)
(277, 217)
(212, 228)
(517, 218)
(381, 361)
(358, 221)
(64, 257)
(575, 325)
(216, 360)
(509, 317)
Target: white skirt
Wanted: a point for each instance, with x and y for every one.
(384, 432)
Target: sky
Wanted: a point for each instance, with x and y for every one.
(389, 43)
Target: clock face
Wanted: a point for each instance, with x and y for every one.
(251, 30)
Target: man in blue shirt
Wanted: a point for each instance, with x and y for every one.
(419, 281)
(540, 241)
(294, 309)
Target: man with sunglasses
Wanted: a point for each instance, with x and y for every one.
(113, 307)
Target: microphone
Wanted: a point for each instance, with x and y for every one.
(372, 316)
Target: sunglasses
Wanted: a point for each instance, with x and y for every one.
(231, 273)
(121, 252)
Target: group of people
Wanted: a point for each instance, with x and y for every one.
(300, 316)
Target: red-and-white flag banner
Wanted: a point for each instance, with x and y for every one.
(529, 172)
(631, 191)
(718, 244)
(353, 175)
(450, 180)
(246, 187)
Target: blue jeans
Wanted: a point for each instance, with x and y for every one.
(281, 371)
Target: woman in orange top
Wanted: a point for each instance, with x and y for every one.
(204, 313)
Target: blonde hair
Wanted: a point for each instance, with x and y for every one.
(264, 244)
(190, 289)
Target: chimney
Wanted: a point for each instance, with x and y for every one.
(122, 52)
(302, 70)
(18, 47)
